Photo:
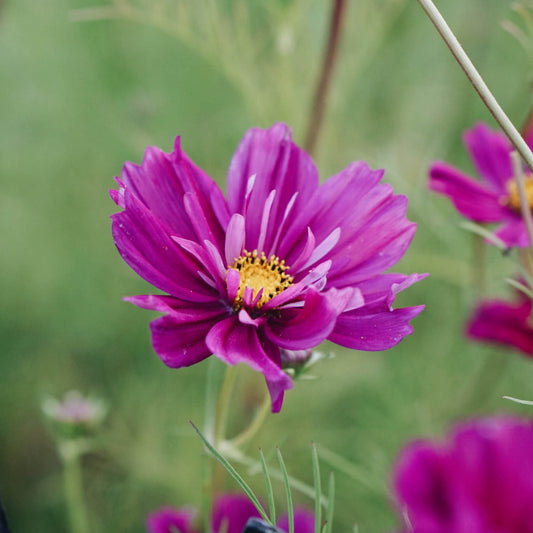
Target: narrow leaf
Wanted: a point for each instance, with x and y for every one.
(331, 498)
(270, 492)
(233, 473)
(290, 509)
(318, 488)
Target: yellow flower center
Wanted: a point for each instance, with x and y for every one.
(257, 272)
(513, 199)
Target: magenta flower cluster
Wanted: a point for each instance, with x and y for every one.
(493, 200)
(281, 263)
(229, 515)
(479, 481)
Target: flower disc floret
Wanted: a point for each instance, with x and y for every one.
(265, 277)
(512, 200)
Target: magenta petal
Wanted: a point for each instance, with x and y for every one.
(179, 337)
(161, 182)
(479, 481)
(503, 323)
(513, 232)
(234, 343)
(490, 152)
(170, 520)
(424, 487)
(231, 512)
(144, 244)
(470, 198)
(372, 328)
(306, 327)
(234, 239)
(304, 521)
(278, 165)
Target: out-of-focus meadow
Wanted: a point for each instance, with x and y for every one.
(78, 97)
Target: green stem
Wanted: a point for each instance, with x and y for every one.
(477, 81)
(490, 374)
(478, 271)
(73, 486)
(256, 424)
(223, 404)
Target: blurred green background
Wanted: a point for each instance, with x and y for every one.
(83, 91)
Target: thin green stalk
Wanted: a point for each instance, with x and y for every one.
(73, 487)
(491, 373)
(223, 404)
(256, 424)
(478, 272)
(477, 81)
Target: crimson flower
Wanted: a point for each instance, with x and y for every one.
(504, 323)
(493, 199)
(229, 514)
(479, 481)
(282, 263)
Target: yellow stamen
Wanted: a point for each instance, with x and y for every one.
(258, 272)
(513, 199)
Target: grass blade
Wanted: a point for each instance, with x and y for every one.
(329, 512)
(318, 488)
(290, 509)
(233, 473)
(270, 492)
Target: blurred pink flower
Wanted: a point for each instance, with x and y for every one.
(501, 322)
(229, 514)
(282, 263)
(479, 481)
(493, 199)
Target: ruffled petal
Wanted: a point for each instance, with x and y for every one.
(490, 152)
(470, 198)
(276, 164)
(179, 337)
(383, 288)
(144, 244)
(234, 343)
(306, 327)
(500, 322)
(374, 330)
(161, 182)
(360, 245)
(376, 325)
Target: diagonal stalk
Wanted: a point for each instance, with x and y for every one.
(324, 81)
(477, 81)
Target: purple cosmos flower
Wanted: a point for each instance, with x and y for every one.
(501, 322)
(229, 514)
(495, 198)
(480, 481)
(282, 263)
